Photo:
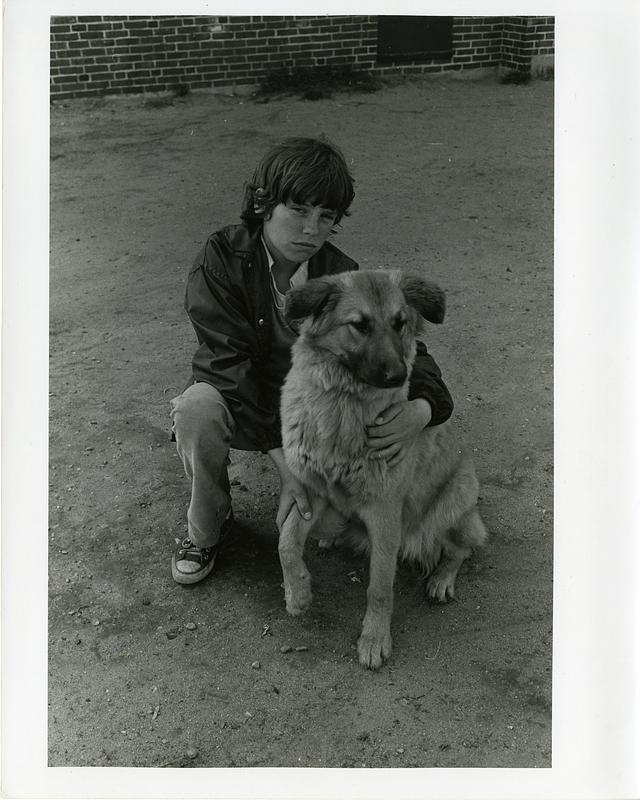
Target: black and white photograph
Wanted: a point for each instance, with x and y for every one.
(310, 387)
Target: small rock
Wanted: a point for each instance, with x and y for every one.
(191, 626)
(255, 665)
(192, 753)
(171, 634)
(96, 622)
(286, 648)
(146, 601)
(302, 648)
(65, 552)
(363, 737)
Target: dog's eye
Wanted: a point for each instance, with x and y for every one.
(360, 325)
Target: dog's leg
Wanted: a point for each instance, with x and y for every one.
(293, 535)
(374, 644)
(441, 583)
(456, 547)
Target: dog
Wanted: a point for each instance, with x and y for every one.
(352, 359)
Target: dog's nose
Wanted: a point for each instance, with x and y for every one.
(394, 375)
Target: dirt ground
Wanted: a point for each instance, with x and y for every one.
(454, 178)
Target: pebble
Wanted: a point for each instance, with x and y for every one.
(286, 648)
(146, 601)
(96, 622)
(191, 626)
(255, 665)
(171, 634)
(302, 648)
(192, 753)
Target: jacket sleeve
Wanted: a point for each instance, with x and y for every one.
(426, 381)
(228, 345)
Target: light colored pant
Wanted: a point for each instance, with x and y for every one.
(204, 428)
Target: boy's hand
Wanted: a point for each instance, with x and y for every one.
(292, 491)
(396, 428)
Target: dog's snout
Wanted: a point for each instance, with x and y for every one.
(393, 374)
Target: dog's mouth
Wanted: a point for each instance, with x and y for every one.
(391, 383)
(384, 380)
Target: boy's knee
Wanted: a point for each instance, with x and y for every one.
(201, 407)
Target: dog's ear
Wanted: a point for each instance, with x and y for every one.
(426, 297)
(311, 299)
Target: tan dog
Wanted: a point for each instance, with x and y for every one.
(351, 361)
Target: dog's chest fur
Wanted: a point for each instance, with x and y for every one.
(324, 434)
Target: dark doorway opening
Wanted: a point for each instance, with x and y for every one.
(407, 38)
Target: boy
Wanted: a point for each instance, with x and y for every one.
(300, 191)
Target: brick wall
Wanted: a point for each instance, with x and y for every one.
(524, 38)
(97, 55)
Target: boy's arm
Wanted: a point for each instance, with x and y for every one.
(426, 382)
(220, 319)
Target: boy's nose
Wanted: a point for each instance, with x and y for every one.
(310, 225)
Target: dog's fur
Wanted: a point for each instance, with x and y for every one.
(352, 360)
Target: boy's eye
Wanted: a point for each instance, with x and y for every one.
(398, 324)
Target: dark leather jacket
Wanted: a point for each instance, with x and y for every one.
(228, 300)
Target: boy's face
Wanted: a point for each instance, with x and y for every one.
(296, 231)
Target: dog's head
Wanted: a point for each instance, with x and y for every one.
(367, 320)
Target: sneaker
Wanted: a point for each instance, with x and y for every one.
(190, 563)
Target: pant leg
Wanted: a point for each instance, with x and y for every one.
(204, 428)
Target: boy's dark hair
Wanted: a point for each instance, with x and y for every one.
(299, 170)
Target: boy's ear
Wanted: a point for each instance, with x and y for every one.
(311, 299)
(259, 205)
(426, 297)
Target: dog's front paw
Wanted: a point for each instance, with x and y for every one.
(372, 652)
